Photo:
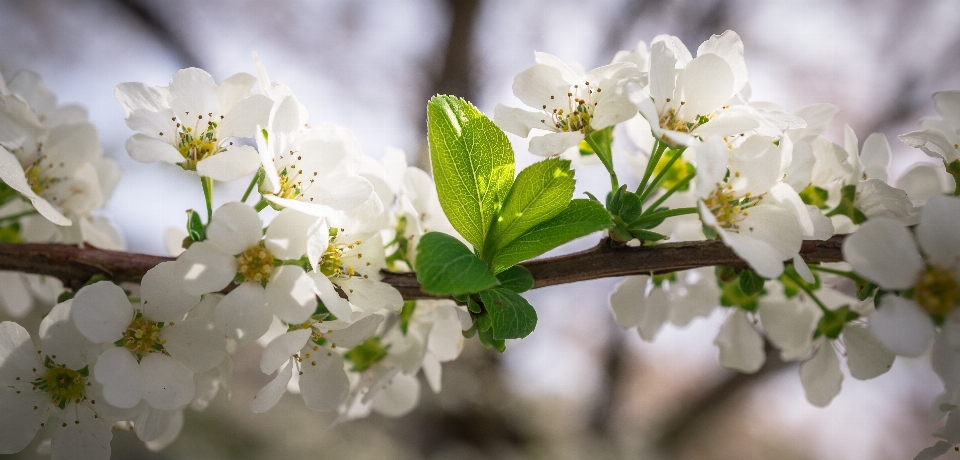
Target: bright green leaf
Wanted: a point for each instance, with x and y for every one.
(445, 266)
(581, 217)
(472, 164)
(512, 316)
(540, 192)
(516, 278)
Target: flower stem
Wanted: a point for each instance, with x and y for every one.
(658, 148)
(683, 182)
(263, 203)
(18, 215)
(842, 273)
(659, 178)
(606, 157)
(664, 215)
(207, 184)
(803, 285)
(257, 177)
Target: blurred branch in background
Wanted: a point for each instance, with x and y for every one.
(153, 21)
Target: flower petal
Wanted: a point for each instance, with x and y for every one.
(938, 229)
(119, 373)
(883, 251)
(101, 312)
(901, 326)
(22, 416)
(286, 236)
(81, 435)
(243, 314)
(323, 382)
(235, 227)
(162, 296)
(281, 349)
(704, 85)
(242, 119)
(193, 94)
(290, 294)
(205, 268)
(62, 342)
(231, 164)
(196, 342)
(148, 149)
(554, 143)
(741, 347)
(821, 376)
(866, 358)
(167, 383)
(269, 395)
(399, 397)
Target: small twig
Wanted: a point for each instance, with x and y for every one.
(74, 266)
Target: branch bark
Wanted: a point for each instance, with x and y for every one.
(75, 266)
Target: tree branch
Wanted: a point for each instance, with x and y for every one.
(75, 266)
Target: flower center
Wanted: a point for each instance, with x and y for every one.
(255, 264)
(195, 145)
(38, 182)
(671, 122)
(728, 208)
(937, 291)
(576, 116)
(142, 336)
(330, 263)
(62, 384)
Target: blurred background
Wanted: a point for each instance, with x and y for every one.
(579, 387)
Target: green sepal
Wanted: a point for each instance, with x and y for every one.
(195, 228)
(516, 278)
(865, 289)
(832, 322)
(406, 313)
(65, 296)
(445, 266)
(815, 196)
(750, 282)
(365, 355)
(848, 195)
(473, 306)
(732, 295)
(487, 340)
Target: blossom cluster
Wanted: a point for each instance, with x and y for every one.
(296, 264)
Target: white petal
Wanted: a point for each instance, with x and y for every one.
(290, 294)
(12, 174)
(355, 333)
(934, 451)
(433, 372)
(167, 383)
(519, 121)
(193, 93)
(768, 236)
(875, 157)
(877, 199)
(821, 376)
(865, 356)
(901, 326)
(162, 295)
(741, 347)
(83, 436)
(704, 85)
(339, 191)
(101, 312)
(400, 396)
(205, 268)
(243, 314)
(235, 227)
(924, 181)
(446, 338)
(330, 297)
(269, 395)
(231, 164)
(802, 269)
(282, 348)
(196, 342)
(882, 250)
(937, 231)
(371, 295)
(147, 149)
(119, 373)
(286, 236)
(242, 119)
(21, 417)
(789, 325)
(15, 296)
(933, 143)
(554, 143)
(18, 357)
(323, 382)
(151, 424)
(62, 342)
(535, 85)
(728, 46)
(235, 88)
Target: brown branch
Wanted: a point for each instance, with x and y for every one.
(74, 266)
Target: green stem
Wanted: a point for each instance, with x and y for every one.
(207, 184)
(606, 157)
(664, 215)
(18, 215)
(263, 203)
(803, 285)
(683, 182)
(842, 273)
(658, 148)
(659, 178)
(256, 179)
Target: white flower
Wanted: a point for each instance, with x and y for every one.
(430, 336)
(570, 103)
(740, 344)
(191, 122)
(648, 302)
(309, 168)
(156, 351)
(690, 97)
(237, 250)
(761, 219)
(939, 137)
(884, 251)
(347, 252)
(54, 383)
(640, 57)
(312, 349)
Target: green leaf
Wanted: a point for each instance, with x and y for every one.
(580, 218)
(445, 266)
(486, 338)
(472, 165)
(539, 192)
(516, 278)
(750, 282)
(815, 196)
(473, 306)
(625, 204)
(511, 315)
(365, 355)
